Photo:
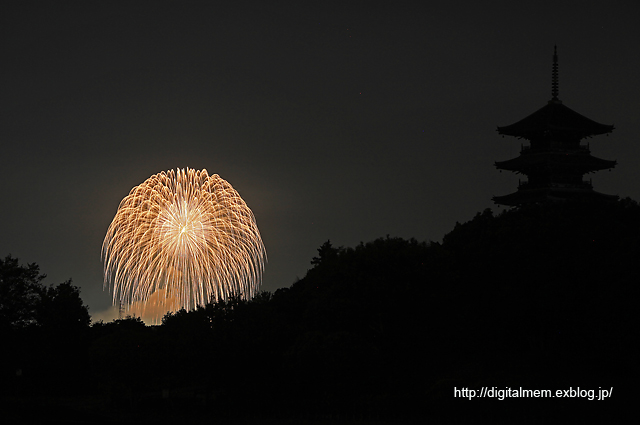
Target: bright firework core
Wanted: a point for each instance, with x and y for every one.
(186, 235)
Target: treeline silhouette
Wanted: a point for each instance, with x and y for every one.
(540, 297)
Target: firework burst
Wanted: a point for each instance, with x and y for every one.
(185, 234)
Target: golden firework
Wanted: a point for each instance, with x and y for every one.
(187, 234)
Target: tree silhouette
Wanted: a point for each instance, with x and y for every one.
(20, 293)
(61, 308)
(537, 297)
(25, 301)
(45, 328)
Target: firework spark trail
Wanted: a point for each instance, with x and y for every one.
(187, 233)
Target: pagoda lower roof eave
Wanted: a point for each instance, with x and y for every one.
(587, 163)
(532, 196)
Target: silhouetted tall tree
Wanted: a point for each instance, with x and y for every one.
(25, 301)
(20, 293)
(61, 308)
(45, 329)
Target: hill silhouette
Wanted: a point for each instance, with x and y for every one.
(540, 297)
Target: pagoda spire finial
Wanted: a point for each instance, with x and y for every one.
(554, 75)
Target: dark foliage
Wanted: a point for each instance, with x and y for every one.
(61, 308)
(549, 299)
(20, 289)
(25, 301)
(43, 331)
(539, 297)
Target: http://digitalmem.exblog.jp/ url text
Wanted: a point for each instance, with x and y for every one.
(508, 392)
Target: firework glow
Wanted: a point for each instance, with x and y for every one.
(186, 235)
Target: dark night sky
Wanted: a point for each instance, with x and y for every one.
(343, 120)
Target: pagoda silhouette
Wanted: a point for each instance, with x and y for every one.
(555, 160)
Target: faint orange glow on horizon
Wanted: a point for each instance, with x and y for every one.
(155, 308)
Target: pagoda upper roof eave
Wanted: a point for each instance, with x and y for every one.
(555, 117)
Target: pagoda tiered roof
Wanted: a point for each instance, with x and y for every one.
(544, 194)
(555, 119)
(583, 163)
